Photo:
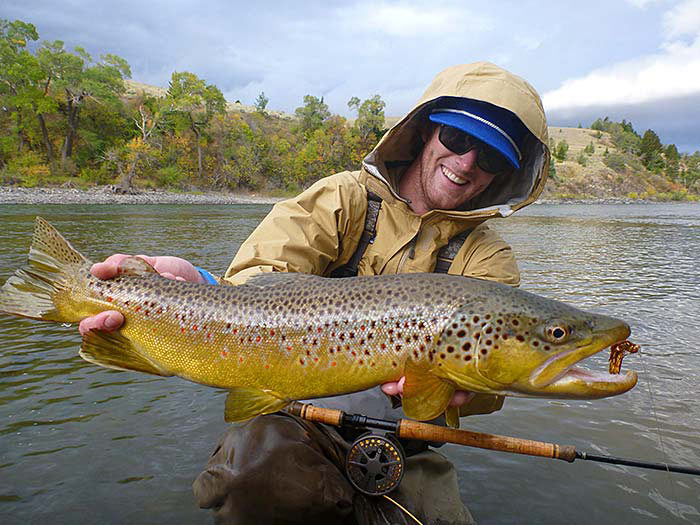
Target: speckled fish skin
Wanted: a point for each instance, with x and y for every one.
(283, 337)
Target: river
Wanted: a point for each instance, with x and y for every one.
(83, 443)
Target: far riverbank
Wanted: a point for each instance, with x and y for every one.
(111, 195)
(108, 195)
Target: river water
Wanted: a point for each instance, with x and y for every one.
(82, 443)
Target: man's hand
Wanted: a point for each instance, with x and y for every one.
(167, 266)
(459, 398)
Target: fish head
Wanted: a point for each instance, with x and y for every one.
(526, 345)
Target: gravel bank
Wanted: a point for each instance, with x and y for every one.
(109, 195)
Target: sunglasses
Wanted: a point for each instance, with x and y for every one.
(488, 158)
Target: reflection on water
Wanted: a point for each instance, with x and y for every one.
(124, 447)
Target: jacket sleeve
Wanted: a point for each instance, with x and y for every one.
(304, 234)
(485, 255)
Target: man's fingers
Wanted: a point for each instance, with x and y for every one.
(459, 398)
(394, 388)
(107, 321)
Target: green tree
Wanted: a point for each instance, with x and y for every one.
(196, 102)
(261, 102)
(20, 75)
(312, 115)
(590, 149)
(650, 149)
(370, 116)
(80, 80)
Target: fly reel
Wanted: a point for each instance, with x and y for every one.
(375, 464)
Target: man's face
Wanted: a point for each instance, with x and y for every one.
(447, 180)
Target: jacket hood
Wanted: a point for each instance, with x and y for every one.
(480, 81)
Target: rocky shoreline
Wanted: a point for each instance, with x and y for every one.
(112, 195)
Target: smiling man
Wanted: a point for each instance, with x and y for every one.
(473, 148)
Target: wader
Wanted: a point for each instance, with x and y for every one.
(282, 469)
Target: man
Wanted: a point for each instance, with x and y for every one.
(473, 148)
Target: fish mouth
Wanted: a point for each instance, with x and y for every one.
(558, 375)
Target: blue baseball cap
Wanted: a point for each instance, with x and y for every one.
(499, 128)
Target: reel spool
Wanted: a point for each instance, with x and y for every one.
(375, 464)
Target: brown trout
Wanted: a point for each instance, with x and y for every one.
(283, 337)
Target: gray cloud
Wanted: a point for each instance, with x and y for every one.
(675, 120)
(344, 49)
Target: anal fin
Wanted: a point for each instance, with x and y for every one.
(244, 403)
(113, 350)
(425, 395)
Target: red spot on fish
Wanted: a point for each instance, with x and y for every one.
(146, 312)
(334, 363)
(361, 361)
(319, 329)
(182, 329)
(316, 359)
(135, 309)
(353, 353)
(382, 346)
(109, 299)
(289, 348)
(240, 359)
(301, 360)
(224, 353)
(160, 310)
(272, 333)
(362, 327)
(194, 327)
(235, 330)
(257, 339)
(267, 367)
(208, 336)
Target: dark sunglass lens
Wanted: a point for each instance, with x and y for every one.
(493, 161)
(457, 141)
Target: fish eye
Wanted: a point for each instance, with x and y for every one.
(557, 333)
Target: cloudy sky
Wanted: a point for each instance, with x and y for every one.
(632, 59)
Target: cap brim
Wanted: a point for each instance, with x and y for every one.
(481, 130)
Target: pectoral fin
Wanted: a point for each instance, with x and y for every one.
(244, 403)
(452, 417)
(425, 396)
(113, 350)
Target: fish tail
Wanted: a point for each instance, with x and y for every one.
(35, 290)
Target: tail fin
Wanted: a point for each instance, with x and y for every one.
(31, 291)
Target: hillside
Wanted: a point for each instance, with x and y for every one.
(603, 173)
(623, 176)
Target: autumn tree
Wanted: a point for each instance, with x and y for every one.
(196, 102)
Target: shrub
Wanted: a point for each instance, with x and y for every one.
(615, 161)
(581, 159)
(169, 177)
(561, 150)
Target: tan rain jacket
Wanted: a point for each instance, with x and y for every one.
(318, 231)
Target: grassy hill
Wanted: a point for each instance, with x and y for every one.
(607, 172)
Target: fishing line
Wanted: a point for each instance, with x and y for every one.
(403, 509)
(658, 431)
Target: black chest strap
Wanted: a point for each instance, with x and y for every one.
(444, 258)
(349, 269)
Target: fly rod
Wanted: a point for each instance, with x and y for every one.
(409, 429)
